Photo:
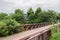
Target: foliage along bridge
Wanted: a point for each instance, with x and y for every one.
(42, 33)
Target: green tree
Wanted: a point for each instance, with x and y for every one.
(38, 13)
(18, 16)
(38, 10)
(3, 16)
(31, 15)
(58, 16)
(52, 15)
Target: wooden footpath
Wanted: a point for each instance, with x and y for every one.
(42, 33)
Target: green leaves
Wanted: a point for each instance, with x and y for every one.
(41, 16)
(9, 27)
(3, 16)
(30, 15)
(38, 10)
(55, 36)
(18, 16)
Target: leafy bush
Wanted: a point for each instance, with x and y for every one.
(2, 23)
(54, 29)
(55, 36)
(9, 27)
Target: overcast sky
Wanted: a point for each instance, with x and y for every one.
(11, 5)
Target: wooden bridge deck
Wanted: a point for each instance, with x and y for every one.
(22, 35)
(42, 33)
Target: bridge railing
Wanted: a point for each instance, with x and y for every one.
(33, 26)
(42, 33)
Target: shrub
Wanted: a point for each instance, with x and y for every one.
(2, 23)
(54, 29)
(55, 36)
(9, 27)
(2, 28)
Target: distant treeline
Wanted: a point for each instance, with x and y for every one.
(31, 16)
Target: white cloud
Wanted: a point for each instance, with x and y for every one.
(25, 4)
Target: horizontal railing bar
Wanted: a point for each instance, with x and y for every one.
(38, 34)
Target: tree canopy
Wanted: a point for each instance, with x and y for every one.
(32, 16)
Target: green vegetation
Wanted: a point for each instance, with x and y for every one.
(55, 35)
(54, 29)
(40, 16)
(12, 23)
(9, 27)
(3, 16)
(31, 16)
